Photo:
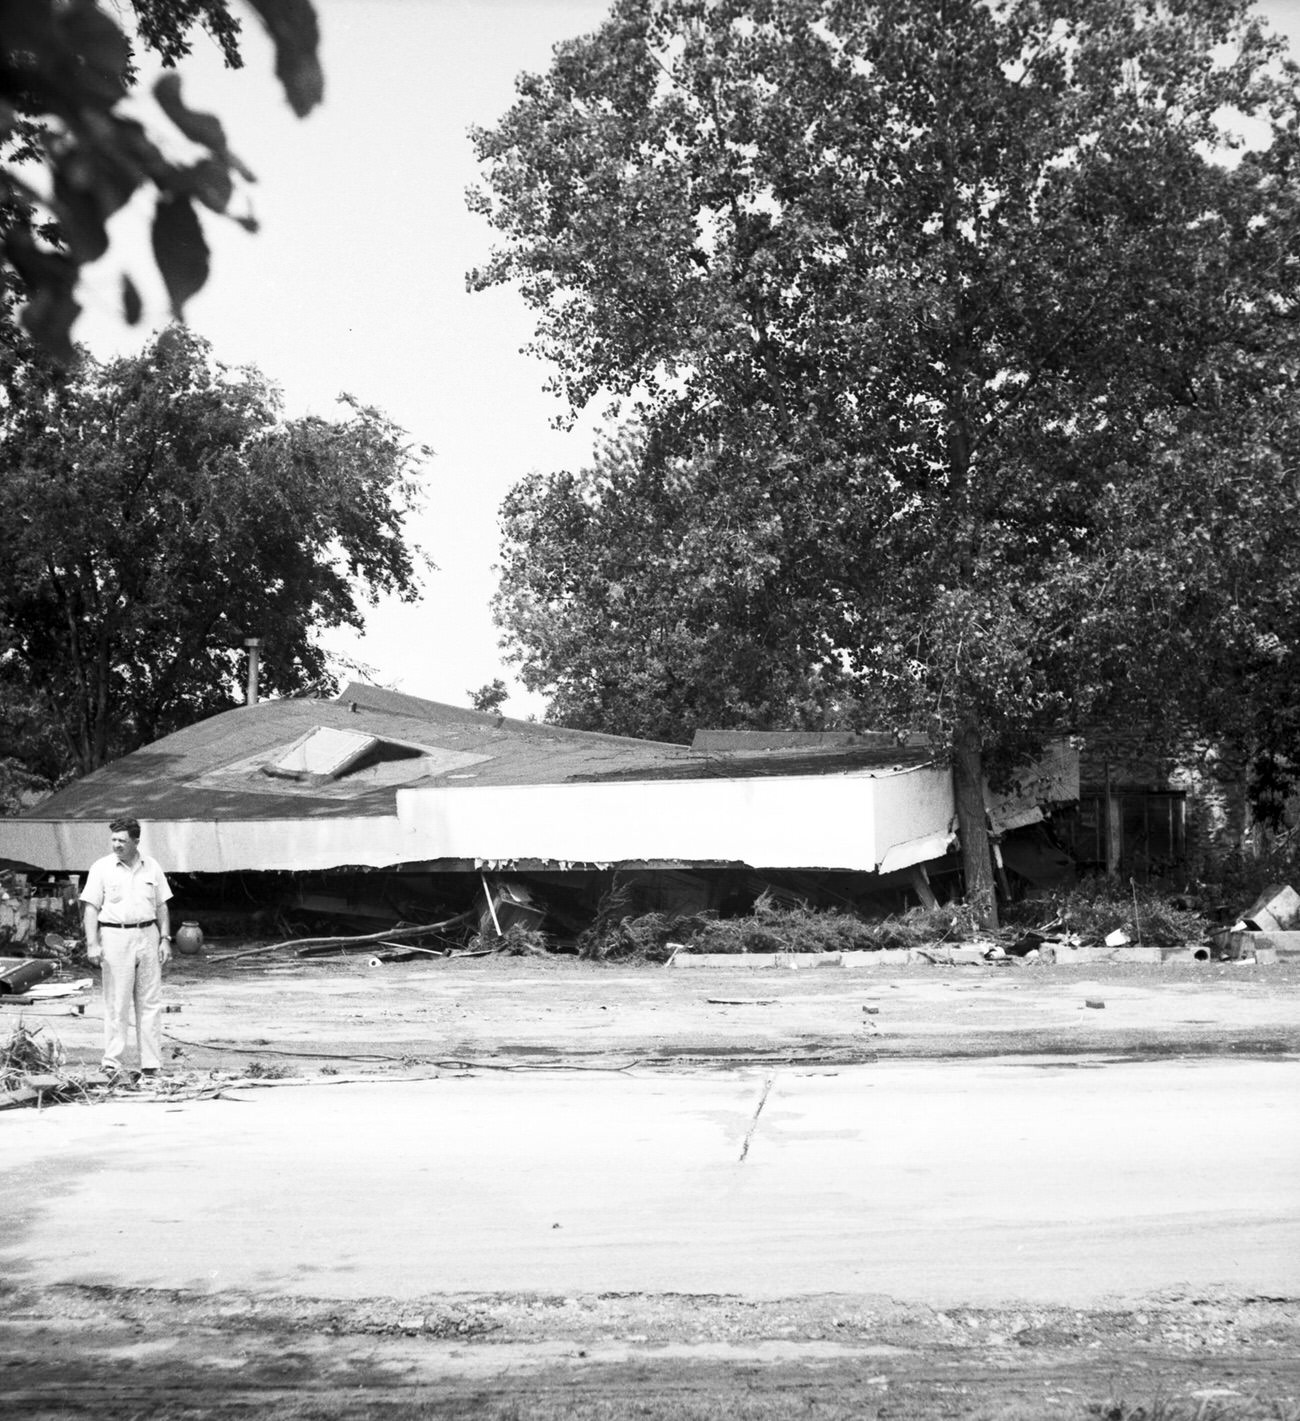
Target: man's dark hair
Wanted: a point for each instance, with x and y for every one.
(125, 826)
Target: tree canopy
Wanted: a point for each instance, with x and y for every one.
(159, 509)
(957, 295)
(70, 157)
(649, 599)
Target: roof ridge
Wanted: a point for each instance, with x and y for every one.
(373, 698)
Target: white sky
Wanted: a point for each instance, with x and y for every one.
(356, 282)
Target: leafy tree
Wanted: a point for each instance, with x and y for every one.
(1193, 620)
(650, 599)
(491, 696)
(961, 288)
(34, 760)
(158, 510)
(71, 159)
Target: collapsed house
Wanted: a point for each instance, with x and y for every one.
(384, 805)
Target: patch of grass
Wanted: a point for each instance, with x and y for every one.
(264, 1071)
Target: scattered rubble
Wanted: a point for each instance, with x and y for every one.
(18, 974)
(644, 913)
(1268, 930)
(32, 1068)
(28, 907)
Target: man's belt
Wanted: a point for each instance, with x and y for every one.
(148, 923)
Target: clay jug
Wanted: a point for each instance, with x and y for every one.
(190, 939)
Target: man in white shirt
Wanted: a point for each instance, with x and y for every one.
(128, 929)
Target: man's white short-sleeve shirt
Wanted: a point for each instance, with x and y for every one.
(126, 893)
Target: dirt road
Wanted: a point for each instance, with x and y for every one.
(774, 1192)
(344, 1015)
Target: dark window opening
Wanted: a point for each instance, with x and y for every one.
(1151, 827)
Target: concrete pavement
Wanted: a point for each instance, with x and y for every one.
(936, 1181)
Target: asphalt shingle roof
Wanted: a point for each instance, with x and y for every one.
(214, 769)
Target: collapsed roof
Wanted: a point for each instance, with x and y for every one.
(379, 779)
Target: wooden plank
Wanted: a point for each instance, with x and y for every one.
(920, 881)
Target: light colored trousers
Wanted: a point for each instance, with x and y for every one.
(132, 976)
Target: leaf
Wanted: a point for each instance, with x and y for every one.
(202, 128)
(295, 32)
(209, 181)
(50, 278)
(90, 185)
(102, 50)
(81, 221)
(179, 249)
(132, 306)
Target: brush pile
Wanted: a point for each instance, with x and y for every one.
(32, 1069)
(1094, 908)
(518, 940)
(652, 937)
(1088, 913)
(29, 1053)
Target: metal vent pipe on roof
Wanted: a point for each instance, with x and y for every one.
(253, 643)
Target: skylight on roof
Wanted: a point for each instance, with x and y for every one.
(322, 753)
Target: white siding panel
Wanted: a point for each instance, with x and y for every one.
(824, 821)
(215, 846)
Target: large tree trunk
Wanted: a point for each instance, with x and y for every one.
(972, 826)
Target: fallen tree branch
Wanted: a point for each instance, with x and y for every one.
(360, 940)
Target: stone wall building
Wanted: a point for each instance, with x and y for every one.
(1149, 814)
